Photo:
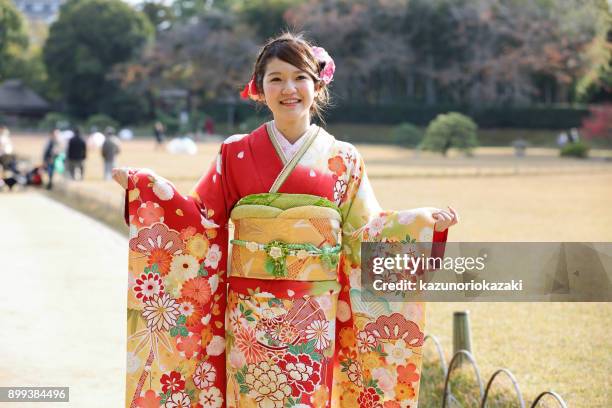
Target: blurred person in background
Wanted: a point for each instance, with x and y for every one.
(50, 154)
(7, 158)
(110, 150)
(76, 155)
(158, 131)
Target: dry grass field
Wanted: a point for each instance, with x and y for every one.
(561, 346)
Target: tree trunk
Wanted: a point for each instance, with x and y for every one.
(430, 84)
(410, 86)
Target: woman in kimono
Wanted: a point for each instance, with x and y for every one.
(283, 324)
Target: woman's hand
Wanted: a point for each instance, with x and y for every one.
(120, 175)
(445, 219)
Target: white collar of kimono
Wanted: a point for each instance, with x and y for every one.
(289, 150)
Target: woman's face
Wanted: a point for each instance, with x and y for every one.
(288, 92)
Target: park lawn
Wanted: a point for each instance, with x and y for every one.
(560, 346)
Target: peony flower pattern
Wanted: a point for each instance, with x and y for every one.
(302, 371)
(268, 385)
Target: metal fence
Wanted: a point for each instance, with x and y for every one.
(484, 391)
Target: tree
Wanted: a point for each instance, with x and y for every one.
(596, 84)
(267, 16)
(476, 52)
(599, 123)
(451, 130)
(407, 135)
(217, 67)
(13, 38)
(87, 40)
(160, 16)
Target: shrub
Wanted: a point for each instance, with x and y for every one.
(578, 149)
(407, 135)
(451, 130)
(100, 121)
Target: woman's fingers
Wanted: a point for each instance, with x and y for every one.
(442, 215)
(120, 175)
(445, 219)
(454, 213)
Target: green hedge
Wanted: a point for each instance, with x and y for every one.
(535, 117)
(561, 117)
(488, 117)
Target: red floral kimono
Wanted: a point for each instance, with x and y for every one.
(283, 323)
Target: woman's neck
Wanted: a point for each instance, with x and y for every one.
(293, 130)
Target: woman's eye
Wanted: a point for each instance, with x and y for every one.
(301, 77)
(275, 79)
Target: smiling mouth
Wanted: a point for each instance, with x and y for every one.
(290, 102)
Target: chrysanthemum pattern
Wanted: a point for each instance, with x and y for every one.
(160, 312)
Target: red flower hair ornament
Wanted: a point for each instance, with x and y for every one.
(250, 89)
(326, 73)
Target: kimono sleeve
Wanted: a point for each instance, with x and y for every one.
(176, 288)
(379, 343)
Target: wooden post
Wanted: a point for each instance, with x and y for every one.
(462, 334)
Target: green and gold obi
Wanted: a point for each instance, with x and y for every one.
(285, 236)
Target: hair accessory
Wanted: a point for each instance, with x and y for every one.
(329, 67)
(250, 89)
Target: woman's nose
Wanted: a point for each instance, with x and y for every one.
(289, 87)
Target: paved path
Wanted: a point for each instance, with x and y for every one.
(62, 302)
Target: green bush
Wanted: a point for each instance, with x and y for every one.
(578, 149)
(53, 120)
(407, 135)
(100, 121)
(451, 130)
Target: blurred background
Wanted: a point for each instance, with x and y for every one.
(500, 108)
